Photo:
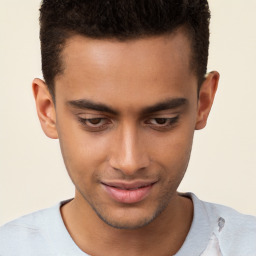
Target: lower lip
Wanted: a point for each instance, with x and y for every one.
(128, 196)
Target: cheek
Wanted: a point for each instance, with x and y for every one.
(83, 153)
(173, 150)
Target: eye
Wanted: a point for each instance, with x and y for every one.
(159, 121)
(95, 124)
(94, 121)
(162, 122)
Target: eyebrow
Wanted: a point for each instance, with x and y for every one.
(87, 104)
(165, 105)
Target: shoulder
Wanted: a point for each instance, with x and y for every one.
(27, 233)
(28, 223)
(236, 232)
(230, 218)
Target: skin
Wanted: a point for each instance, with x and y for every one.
(128, 140)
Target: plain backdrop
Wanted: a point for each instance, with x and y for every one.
(223, 163)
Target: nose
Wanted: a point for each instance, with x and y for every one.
(129, 154)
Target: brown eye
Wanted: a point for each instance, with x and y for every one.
(95, 124)
(161, 121)
(94, 121)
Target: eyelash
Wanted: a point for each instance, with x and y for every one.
(94, 127)
(170, 122)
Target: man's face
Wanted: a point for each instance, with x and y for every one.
(126, 114)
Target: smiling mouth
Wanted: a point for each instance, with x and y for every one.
(128, 193)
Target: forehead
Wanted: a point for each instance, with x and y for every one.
(172, 47)
(152, 67)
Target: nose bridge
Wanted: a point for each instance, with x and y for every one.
(129, 154)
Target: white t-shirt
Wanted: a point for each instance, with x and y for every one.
(216, 230)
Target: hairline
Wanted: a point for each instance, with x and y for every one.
(183, 28)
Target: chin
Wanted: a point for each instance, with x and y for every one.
(129, 219)
(127, 224)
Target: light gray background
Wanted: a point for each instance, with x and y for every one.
(223, 163)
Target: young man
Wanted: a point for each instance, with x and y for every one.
(125, 88)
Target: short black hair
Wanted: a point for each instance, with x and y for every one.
(122, 20)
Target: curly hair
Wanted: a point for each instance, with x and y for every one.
(122, 20)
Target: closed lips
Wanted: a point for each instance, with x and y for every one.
(128, 186)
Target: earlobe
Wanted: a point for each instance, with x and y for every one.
(206, 97)
(45, 108)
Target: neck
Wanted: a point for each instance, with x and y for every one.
(163, 236)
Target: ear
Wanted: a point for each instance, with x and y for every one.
(45, 108)
(206, 97)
